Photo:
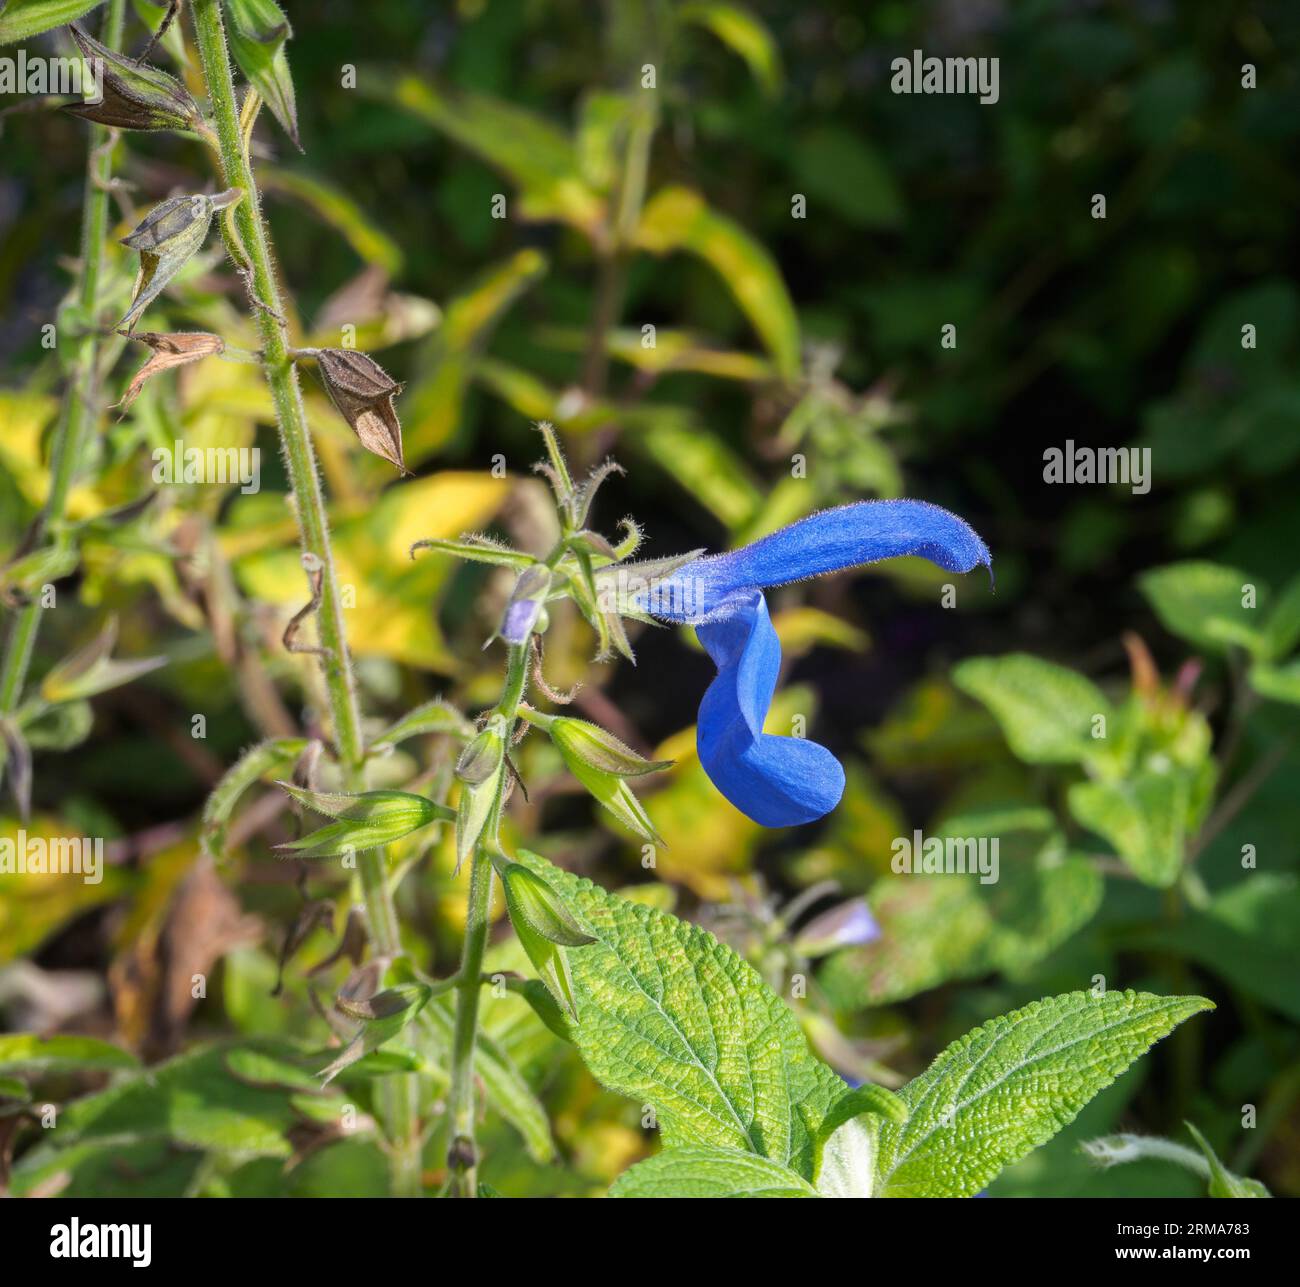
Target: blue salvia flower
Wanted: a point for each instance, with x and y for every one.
(783, 781)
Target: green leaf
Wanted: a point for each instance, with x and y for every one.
(1203, 604)
(837, 169)
(1282, 629)
(1246, 935)
(1011, 1084)
(745, 34)
(677, 218)
(15, 1089)
(1223, 1183)
(1046, 711)
(437, 716)
(32, 1053)
(669, 1016)
(192, 1100)
(1145, 818)
(699, 1172)
(258, 32)
(527, 148)
(1277, 683)
(273, 756)
(23, 18)
(338, 209)
(938, 928)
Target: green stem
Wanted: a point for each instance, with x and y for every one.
(398, 1095)
(80, 407)
(462, 1152)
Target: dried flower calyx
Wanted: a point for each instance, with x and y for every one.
(363, 393)
(179, 348)
(168, 236)
(133, 96)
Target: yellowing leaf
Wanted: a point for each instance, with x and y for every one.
(528, 149)
(679, 219)
(431, 409)
(395, 597)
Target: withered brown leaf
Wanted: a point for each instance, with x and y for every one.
(178, 348)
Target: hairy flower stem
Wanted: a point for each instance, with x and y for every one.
(80, 406)
(462, 1152)
(399, 1095)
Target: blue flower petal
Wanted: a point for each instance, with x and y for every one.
(849, 536)
(777, 781)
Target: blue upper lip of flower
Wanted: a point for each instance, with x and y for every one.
(784, 781)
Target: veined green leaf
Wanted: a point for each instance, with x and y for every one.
(1011, 1084)
(23, 18)
(671, 1017)
(1205, 604)
(1144, 817)
(1046, 711)
(699, 1172)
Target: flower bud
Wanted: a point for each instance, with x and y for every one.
(133, 96)
(533, 902)
(365, 821)
(526, 604)
(480, 769)
(481, 757)
(362, 393)
(851, 924)
(595, 747)
(545, 927)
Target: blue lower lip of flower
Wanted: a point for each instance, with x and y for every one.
(777, 781)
